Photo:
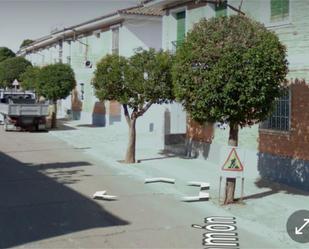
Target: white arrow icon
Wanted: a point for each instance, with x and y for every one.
(298, 231)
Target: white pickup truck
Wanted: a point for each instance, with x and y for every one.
(20, 111)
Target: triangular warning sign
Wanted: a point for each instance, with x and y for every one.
(232, 163)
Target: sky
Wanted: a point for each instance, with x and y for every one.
(32, 19)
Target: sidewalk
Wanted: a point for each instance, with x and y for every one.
(266, 207)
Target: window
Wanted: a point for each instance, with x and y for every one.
(97, 34)
(115, 40)
(180, 30)
(60, 51)
(280, 10)
(181, 26)
(69, 60)
(221, 9)
(280, 118)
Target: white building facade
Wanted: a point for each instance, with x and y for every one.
(83, 45)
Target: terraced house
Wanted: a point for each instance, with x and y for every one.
(277, 148)
(122, 32)
(283, 139)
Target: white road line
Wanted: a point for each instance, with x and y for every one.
(104, 196)
(159, 179)
(202, 185)
(203, 196)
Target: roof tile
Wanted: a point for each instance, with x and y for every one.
(142, 10)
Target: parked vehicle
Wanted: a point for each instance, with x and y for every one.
(20, 111)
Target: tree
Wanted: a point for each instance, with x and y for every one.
(25, 43)
(137, 83)
(229, 69)
(29, 79)
(6, 53)
(55, 82)
(11, 69)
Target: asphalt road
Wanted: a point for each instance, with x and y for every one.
(46, 188)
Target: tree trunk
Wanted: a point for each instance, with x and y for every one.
(130, 155)
(54, 115)
(231, 182)
(233, 137)
(229, 190)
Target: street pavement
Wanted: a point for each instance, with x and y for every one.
(46, 188)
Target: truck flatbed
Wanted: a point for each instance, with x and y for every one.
(31, 110)
(20, 111)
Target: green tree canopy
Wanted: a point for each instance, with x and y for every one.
(29, 79)
(229, 69)
(149, 78)
(6, 53)
(56, 81)
(143, 79)
(138, 82)
(11, 69)
(109, 81)
(25, 43)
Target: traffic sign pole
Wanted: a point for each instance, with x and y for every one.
(232, 168)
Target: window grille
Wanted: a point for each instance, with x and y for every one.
(280, 117)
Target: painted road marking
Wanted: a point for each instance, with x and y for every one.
(159, 179)
(202, 185)
(220, 232)
(104, 196)
(202, 196)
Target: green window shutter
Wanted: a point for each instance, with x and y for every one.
(181, 26)
(279, 9)
(285, 8)
(221, 9)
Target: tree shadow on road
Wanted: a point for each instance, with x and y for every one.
(62, 172)
(62, 125)
(34, 206)
(60, 165)
(274, 188)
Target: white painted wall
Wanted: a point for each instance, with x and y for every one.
(136, 33)
(133, 33)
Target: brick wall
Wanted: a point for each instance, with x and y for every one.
(195, 143)
(114, 108)
(198, 132)
(295, 143)
(99, 108)
(75, 101)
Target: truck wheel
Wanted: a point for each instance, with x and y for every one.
(6, 123)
